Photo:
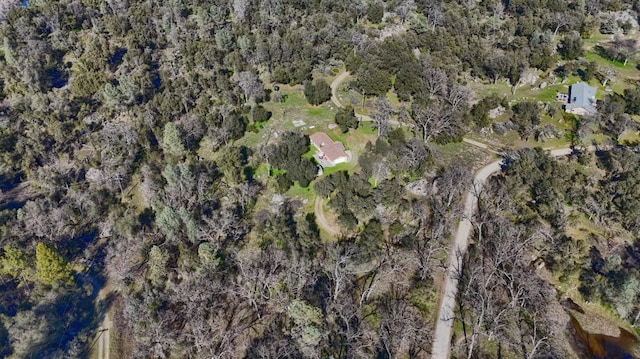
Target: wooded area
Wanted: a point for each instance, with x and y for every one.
(125, 166)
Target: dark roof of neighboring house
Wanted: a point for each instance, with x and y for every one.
(582, 95)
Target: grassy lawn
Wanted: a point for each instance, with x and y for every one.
(316, 118)
(595, 39)
(304, 193)
(625, 76)
(629, 137)
(458, 153)
(524, 93)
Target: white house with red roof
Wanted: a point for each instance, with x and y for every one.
(330, 152)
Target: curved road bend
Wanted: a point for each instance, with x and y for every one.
(444, 325)
(320, 218)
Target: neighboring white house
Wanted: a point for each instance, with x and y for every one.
(330, 152)
(581, 99)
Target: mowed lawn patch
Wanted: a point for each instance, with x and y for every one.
(295, 107)
(625, 75)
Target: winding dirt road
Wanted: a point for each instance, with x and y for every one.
(444, 326)
(335, 84)
(320, 218)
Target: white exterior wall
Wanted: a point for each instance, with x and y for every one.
(341, 159)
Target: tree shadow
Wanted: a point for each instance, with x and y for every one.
(74, 315)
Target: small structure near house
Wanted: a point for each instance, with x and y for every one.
(581, 99)
(330, 152)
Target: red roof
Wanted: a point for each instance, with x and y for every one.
(320, 139)
(332, 150)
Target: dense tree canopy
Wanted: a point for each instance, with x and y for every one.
(145, 148)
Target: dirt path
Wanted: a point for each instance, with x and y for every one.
(335, 84)
(104, 331)
(320, 218)
(479, 144)
(334, 87)
(444, 325)
(104, 341)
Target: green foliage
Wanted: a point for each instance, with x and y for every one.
(172, 141)
(372, 81)
(235, 124)
(408, 82)
(103, 93)
(371, 237)
(570, 47)
(287, 155)
(590, 71)
(480, 111)
(308, 234)
(158, 260)
(632, 100)
(307, 329)
(324, 186)
(231, 161)
(544, 182)
(190, 225)
(301, 170)
(15, 263)
(168, 223)
(375, 12)
(304, 314)
(526, 115)
(51, 268)
(260, 114)
(346, 119)
(317, 92)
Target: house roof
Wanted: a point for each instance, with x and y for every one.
(332, 150)
(583, 96)
(320, 139)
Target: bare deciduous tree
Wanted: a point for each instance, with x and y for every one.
(434, 119)
(382, 116)
(559, 20)
(250, 85)
(436, 81)
(405, 8)
(435, 16)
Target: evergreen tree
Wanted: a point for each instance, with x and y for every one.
(51, 268)
(346, 119)
(171, 140)
(317, 92)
